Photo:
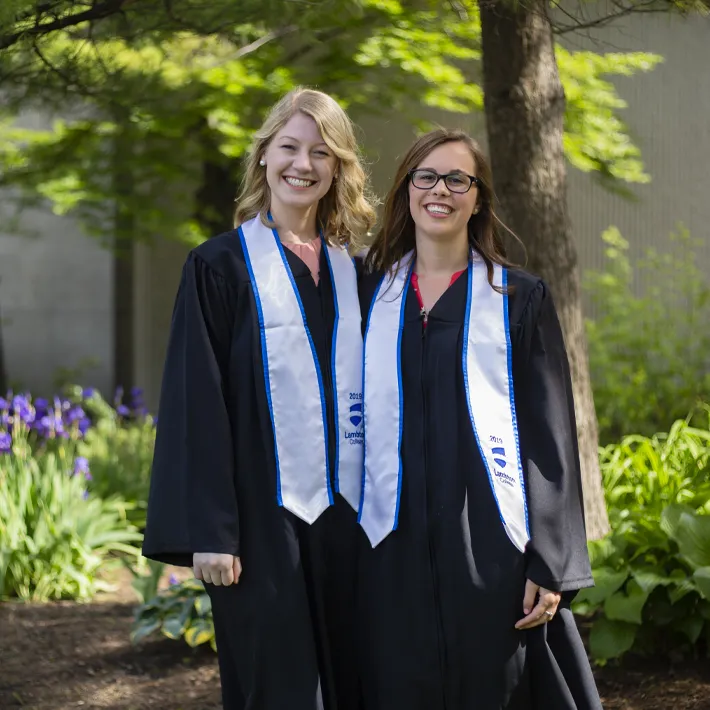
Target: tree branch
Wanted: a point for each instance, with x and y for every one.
(622, 10)
(99, 11)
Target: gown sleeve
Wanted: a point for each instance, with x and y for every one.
(192, 506)
(557, 557)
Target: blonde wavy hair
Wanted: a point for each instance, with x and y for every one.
(345, 213)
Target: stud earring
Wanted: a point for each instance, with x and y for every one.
(262, 162)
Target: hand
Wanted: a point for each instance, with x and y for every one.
(216, 569)
(547, 601)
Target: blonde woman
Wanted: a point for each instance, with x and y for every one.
(258, 458)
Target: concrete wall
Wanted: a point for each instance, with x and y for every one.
(55, 300)
(157, 275)
(669, 117)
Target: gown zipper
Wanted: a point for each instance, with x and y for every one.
(432, 554)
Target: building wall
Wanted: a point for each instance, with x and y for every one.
(56, 297)
(157, 276)
(669, 117)
(55, 303)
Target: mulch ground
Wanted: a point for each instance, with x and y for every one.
(64, 655)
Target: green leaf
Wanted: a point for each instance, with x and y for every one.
(680, 590)
(582, 608)
(144, 629)
(193, 585)
(701, 577)
(606, 582)
(690, 531)
(600, 551)
(690, 626)
(649, 579)
(610, 639)
(200, 631)
(174, 624)
(626, 605)
(203, 605)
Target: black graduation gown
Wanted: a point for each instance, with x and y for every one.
(284, 632)
(439, 597)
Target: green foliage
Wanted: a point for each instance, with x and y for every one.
(120, 455)
(652, 572)
(54, 537)
(157, 120)
(649, 352)
(146, 577)
(182, 611)
(596, 139)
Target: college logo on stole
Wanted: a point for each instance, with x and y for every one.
(488, 378)
(292, 373)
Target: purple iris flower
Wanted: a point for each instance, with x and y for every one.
(123, 410)
(85, 495)
(81, 465)
(41, 403)
(23, 409)
(88, 392)
(5, 442)
(75, 413)
(44, 425)
(84, 425)
(4, 404)
(173, 580)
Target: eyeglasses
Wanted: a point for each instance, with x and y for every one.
(428, 179)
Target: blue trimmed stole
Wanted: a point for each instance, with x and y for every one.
(487, 369)
(294, 385)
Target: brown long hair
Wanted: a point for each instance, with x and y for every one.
(395, 237)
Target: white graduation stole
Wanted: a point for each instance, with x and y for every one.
(294, 385)
(488, 378)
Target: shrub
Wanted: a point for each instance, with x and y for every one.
(649, 354)
(120, 453)
(115, 441)
(652, 573)
(183, 611)
(54, 536)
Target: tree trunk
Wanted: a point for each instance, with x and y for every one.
(123, 257)
(123, 304)
(215, 196)
(524, 104)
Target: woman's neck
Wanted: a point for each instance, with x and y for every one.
(441, 257)
(295, 226)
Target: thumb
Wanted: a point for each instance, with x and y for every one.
(237, 569)
(531, 590)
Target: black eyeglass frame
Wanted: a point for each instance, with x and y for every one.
(474, 180)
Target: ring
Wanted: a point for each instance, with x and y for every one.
(549, 614)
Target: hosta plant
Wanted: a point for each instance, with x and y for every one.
(652, 573)
(183, 610)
